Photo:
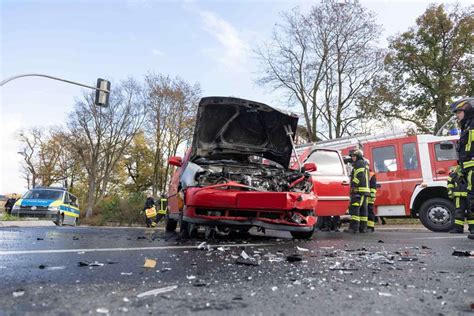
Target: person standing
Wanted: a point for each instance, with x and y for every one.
(359, 193)
(371, 202)
(457, 191)
(464, 111)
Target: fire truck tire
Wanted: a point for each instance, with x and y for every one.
(303, 235)
(437, 214)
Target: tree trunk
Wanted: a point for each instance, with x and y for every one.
(90, 196)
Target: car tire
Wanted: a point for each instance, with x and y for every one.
(170, 224)
(60, 220)
(437, 214)
(183, 227)
(303, 235)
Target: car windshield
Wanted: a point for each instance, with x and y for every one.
(43, 194)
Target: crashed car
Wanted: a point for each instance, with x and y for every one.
(236, 174)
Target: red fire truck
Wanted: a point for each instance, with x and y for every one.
(411, 173)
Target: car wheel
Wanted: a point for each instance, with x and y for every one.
(303, 235)
(183, 227)
(60, 220)
(170, 224)
(437, 214)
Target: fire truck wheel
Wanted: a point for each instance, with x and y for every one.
(437, 214)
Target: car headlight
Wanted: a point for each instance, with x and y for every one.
(53, 208)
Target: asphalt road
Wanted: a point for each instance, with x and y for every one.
(387, 272)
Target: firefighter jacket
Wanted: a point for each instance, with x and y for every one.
(465, 146)
(360, 178)
(373, 188)
(457, 184)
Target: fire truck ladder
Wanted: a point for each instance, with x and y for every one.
(355, 140)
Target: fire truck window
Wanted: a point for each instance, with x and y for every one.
(385, 159)
(410, 159)
(445, 154)
(327, 162)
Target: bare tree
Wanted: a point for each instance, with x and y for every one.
(171, 109)
(323, 61)
(101, 135)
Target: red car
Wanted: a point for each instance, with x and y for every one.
(236, 174)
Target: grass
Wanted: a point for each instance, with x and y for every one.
(6, 217)
(402, 221)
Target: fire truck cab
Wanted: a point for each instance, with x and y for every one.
(411, 172)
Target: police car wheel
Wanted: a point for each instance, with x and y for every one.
(437, 214)
(60, 219)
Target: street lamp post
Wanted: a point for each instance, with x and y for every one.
(102, 89)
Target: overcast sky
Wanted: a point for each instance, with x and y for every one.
(209, 42)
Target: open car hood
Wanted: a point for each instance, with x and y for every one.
(231, 128)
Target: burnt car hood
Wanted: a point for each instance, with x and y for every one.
(232, 128)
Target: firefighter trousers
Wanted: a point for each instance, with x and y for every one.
(463, 213)
(358, 213)
(470, 202)
(371, 216)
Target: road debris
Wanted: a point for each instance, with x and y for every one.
(244, 255)
(385, 294)
(190, 277)
(248, 262)
(126, 273)
(458, 253)
(302, 249)
(90, 264)
(102, 310)
(39, 238)
(18, 293)
(149, 263)
(294, 258)
(158, 291)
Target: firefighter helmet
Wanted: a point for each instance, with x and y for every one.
(464, 104)
(357, 152)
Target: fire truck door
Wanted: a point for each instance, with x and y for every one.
(386, 163)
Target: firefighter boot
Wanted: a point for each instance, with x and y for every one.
(353, 227)
(458, 227)
(363, 226)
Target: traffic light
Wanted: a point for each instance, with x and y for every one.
(102, 97)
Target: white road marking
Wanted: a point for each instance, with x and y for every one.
(450, 237)
(28, 252)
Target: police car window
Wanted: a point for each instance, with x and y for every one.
(385, 159)
(327, 162)
(44, 194)
(445, 154)
(410, 158)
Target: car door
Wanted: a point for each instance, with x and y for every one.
(330, 182)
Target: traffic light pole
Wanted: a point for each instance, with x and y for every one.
(3, 82)
(102, 89)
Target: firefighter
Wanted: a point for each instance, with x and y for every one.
(457, 192)
(150, 211)
(359, 193)
(371, 202)
(464, 111)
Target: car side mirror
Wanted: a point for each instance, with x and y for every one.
(175, 161)
(310, 167)
(446, 146)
